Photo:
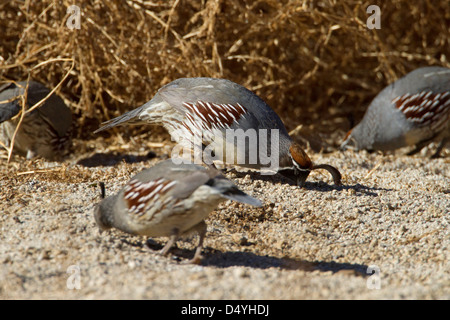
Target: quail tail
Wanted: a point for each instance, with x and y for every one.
(131, 117)
(242, 197)
(9, 110)
(229, 190)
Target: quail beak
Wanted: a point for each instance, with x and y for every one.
(348, 143)
(301, 175)
(296, 175)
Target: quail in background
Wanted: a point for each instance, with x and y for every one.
(414, 110)
(45, 132)
(201, 107)
(169, 200)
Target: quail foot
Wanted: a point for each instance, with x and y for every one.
(227, 123)
(44, 131)
(414, 110)
(169, 200)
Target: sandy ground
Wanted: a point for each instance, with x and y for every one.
(390, 216)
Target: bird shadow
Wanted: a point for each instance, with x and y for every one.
(361, 189)
(219, 259)
(113, 158)
(309, 185)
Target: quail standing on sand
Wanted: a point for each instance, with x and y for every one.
(169, 200)
(414, 110)
(192, 107)
(45, 131)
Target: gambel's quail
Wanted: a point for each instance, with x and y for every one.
(213, 110)
(45, 131)
(414, 110)
(169, 200)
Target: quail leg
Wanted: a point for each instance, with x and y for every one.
(417, 149)
(440, 147)
(173, 238)
(201, 230)
(422, 144)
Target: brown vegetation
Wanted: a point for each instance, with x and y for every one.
(315, 62)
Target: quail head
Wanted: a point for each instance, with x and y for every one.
(227, 122)
(45, 131)
(169, 200)
(414, 110)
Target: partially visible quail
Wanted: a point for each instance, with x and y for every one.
(414, 110)
(202, 107)
(169, 200)
(43, 132)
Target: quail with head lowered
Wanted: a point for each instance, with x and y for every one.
(45, 131)
(169, 200)
(229, 123)
(414, 110)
